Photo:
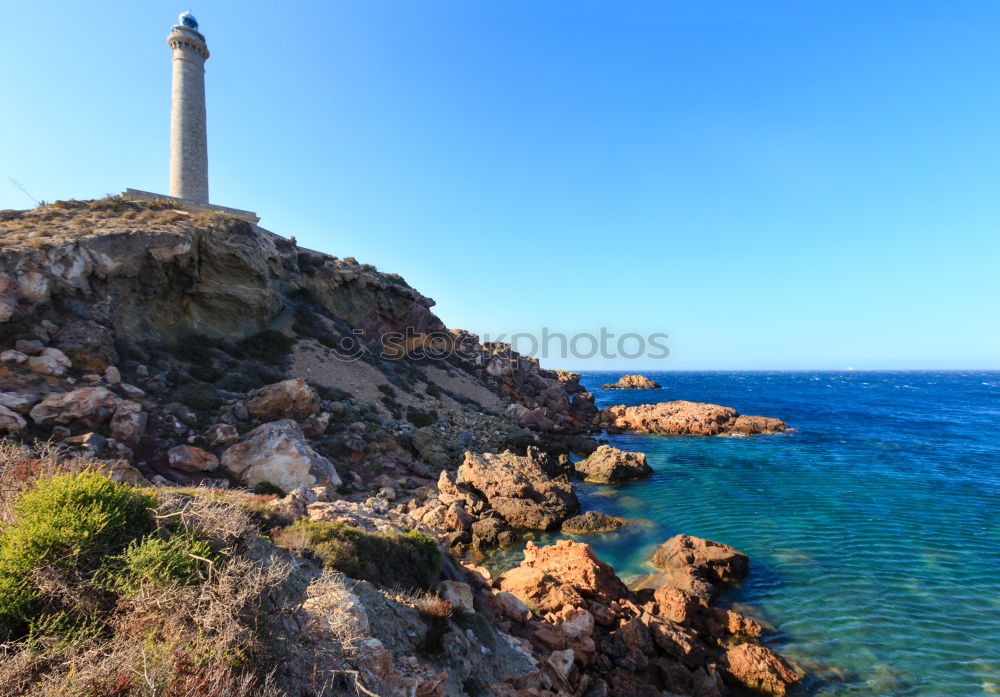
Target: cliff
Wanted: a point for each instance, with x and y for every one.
(290, 417)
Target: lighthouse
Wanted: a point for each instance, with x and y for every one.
(188, 134)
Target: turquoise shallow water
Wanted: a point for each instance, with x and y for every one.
(873, 528)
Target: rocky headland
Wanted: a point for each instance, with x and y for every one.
(344, 459)
(633, 382)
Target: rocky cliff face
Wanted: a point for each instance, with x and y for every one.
(184, 315)
(196, 349)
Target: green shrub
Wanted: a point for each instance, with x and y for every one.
(433, 390)
(68, 521)
(420, 418)
(176, 558)
(408, 560)
(267, 488)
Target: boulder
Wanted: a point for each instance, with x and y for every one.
(12, 356)
(574, 565)
(288, 399)
(609, 465)
(677, 605)
(633, 382)
(50, 361)
(128, 424)
(682, 418)
(428, 443)
(713, 561)
(188, 458)
(538, 590)
(512, 607)
(21, 402)
(458, 595)
(591, 522)
(277, 452)
(11, 421)
(222, 434)
(30, 347)
(760, 669)
(89, 345)
(86, 407)
(519, 488)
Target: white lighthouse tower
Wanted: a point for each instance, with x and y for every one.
(188, 133)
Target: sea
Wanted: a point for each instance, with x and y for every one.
(873, 525)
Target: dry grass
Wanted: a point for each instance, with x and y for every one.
(21, 466)
(163, 640)
(49, 225)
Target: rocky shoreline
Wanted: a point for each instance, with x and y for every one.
(194, 353)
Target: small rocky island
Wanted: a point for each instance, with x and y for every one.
(633, 382)
(683, 418)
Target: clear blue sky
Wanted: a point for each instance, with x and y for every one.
(774, 184)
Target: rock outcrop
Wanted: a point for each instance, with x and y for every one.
(520, 488)
(682, 418)
(609, 465)
(86, 407)
(591, 522)
(278, 453)
(633, 382)
(626, 643)
(289, 399)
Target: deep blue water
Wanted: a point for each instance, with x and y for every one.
(873, 528)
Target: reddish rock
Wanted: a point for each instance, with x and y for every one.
(188, 458)
(678, 641)
(574, 565)
(538, 590)
(752, 425)
(519, 488)
(289, 399)
(760, 669)
(716, 562)
(677, 605)
(609, 465)
(682, 418)
(633, 382)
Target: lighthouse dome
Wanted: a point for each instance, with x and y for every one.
(187, 19)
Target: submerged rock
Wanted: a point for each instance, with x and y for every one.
(714, 561)
(591, 522)
(609, 465)
(683, 418)
(633, 382)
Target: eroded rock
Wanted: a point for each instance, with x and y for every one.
(288, 399)
(277, 452)
(633, 382)
(683, 418)
(609, 465)
(86, 407)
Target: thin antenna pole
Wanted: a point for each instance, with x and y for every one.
(18, 185)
